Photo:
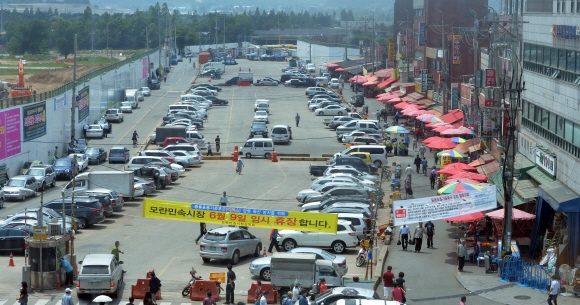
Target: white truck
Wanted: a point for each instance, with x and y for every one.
(290, 268)
(120, 181)
(215, 65)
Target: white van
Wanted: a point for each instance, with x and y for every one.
(196, 137)
(131, 96)
(281, 133)
(378, 153)
(321, 81)
(334, 83)
(258, 147)
(181, 108)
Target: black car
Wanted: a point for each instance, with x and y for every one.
(105, 201)
(96, 155)
(155, 85)
(216, 100)
(203, 93)
(167, 168)
(232, 81)
(300, 83)
(153, 173)
(209, 86)
(13, 239)
(78, 146)
(259, 128)
(88, 211)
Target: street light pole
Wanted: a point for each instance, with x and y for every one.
(310, 40)
(443, 66)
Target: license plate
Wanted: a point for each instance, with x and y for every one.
(212, 248)
(95, 284)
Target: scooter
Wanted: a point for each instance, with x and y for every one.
(191, 282)
(361, 258)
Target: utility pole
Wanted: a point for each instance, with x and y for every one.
(74, 94)
(346, 43)
(374, 57)
(310, 41)
(216, 31)
(443, 80)
(92, 42)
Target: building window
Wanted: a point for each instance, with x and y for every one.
(539, 54)
(554, 57)
(527, 51)
(560, 127)
(546, 56)
(545, 118)
(568, 131)
(419, 12)
(525, 109)
(572, 6)
(571, 61)
(533, 110)
(576, 134)
(552, 124)
(577, 8)
(562, 59)
(558, 5)
(578, 60)
(564, 6)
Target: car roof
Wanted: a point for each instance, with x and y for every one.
(353, 215)
(224, 230)
(98, 259)
(361, 291)
(41, 166)
(349, 205)
(118, 147)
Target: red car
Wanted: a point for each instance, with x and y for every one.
(175, 140)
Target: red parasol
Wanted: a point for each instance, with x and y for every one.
(419, 112)
(442, 144)
(460, 166)
(443, 128)
(368, 84)
(467, 217)
(426, 115)
(437, 124)
(339, 70)
(450, 171)
(452, 131)
(395, 100)
(516, 215)
(358, 79)
(449, 181)
(409, 111)
(432, 139)
(332, 65)
(469, 175)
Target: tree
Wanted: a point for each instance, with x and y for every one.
(65, 37)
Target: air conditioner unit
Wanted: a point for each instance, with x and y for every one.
(54, 229)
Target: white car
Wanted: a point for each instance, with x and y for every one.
(94, 131)
(261, 116)
(347, 169)
(138, 189)
(146, 91)
(304, 193)
(191, 157)
(334, 83)
(345, 237)
(82, 161)
(126, 107)
(267, 82)
(347, 137)
(213, 92)
(331, 110)
(348, 177)
(21, 187)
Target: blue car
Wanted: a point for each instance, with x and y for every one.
(64, 167)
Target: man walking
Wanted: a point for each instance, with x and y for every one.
(273, 241)
(67, 298)
(422, 150)
(85, 128)
(202, 231)
(424, 166)
(68, 269)
(404, 236)
(409, 173)
(217, 143)
(418, 235)
(417, 163)
(388, 280)
(239, 166)
(432, 177)
(554, 289)
(297, 118)
(429, 231)
(378, 115)
(230, 286)
(224, 201)
(154, 286)
(209, 153)
(461, 254)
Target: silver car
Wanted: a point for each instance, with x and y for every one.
(191, 157)
(45, 175)
(229, 243)
(21, 187)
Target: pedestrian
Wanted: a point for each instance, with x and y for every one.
(116, 250)
(404, 236)
(274, 241)
(164, 78)
(473, 255)
(432, 177)
(68, 270)
(342, 84)
(417, 163)
(463, 300)
(430, 232)
(67, 298)
(409, 173)
(287, 299)
(217, 143)
(378, 114)
(297, 118)
(295, 293)
(418, 236)
(554, 290)
(303, 298)
(408, 189)
(202, 231)
(407, 141)
(414, 144)
(401, 281)
(388, 281)
(258, 293)
(147, 299)
(224, 201)
(322, 286)
(436, 159)
(488, 227)
(23, 298)
(134, 137)
(131, 300)
(461, 254)
(422, 150)
(154, 286)
(239, 166)
(208, 300)
(209, 153)
(424, 165)
(231, 285)
(396, 118)
(55, 152)
(264, 298)
(85, 128)
(105, 129)
(398, 293)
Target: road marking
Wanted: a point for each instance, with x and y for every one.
(2, 301)
(166, 266)
(164, 303)
(42, 302)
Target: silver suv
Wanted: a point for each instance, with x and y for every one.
(229, 243)
(99, 274)
(114, 115)
(44, 174)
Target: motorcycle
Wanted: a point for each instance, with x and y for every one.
(191, 282)
(361, 258)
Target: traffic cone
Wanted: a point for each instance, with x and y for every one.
(264, 254)
(275, 157)
(236, 156)
(58, 284)
(11, 263)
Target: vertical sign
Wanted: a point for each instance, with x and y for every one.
(456, 54)
(391, 53)
(396, 73)
(416, 69)
(490, 78)
(455, 97)
(83, 103)
(34, 121)
(59, 101)
(144, 68)
(409, 44)
(10, 133)
(422, 32)
(424, 73)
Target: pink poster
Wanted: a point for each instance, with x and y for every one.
(10, 133)
(144, 67)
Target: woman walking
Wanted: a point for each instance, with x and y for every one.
(23, 298)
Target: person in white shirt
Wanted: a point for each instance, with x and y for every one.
(409, 172)
(404, 236)
(263, 300)
(295, 293)
(554, 289)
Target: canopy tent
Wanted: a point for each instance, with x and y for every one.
(358, 79)
(385, 83)
(442, 144)
(436, 124)
(432, 119)
(443, 128)
(451, 153)
(419, 112)
(368, 84)
(432, 139)
(460, 166)
(516, 215)
(459, 187)
(395, 100)
(467, 217)
(452, 131)
(426, 115)
(465, 180)
(472, 176)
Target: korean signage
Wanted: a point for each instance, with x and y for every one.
(546, 161)
(455, 95)
(444, 206)
(416, 69)
(10, 133)
(59, 101)
(391, 53)
(409, 44)
(431, 52)
(422, 33)
(34, 121)
(465, 91)
(83, 103)
(490, 78)
(144, 68)
(424, 73)
(456, 53)
(565, 31)
(246, 217)
(396, 73)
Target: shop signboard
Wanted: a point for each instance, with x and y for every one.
(490, 78)
(409, 44)
(456, 51)
(391, 53)
(422, 33)
(546, 161)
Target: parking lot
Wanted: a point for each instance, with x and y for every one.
(169, 246)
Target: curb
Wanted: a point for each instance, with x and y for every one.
(217, 158)
(285, 155)
(381, 263)
(302, 159)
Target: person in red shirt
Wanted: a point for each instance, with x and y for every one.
(398, 293)
(322, 287)
(388, 281)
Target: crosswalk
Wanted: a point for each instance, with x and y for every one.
(57, 301)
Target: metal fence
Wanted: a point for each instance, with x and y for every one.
(524, 274)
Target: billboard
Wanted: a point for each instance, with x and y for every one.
(144, 68)
(83, 103)
(422, 33)
(391, 53)
(409, 44)
(456, 51)
(10, 144)
(59, 101)
(33, 121)
(444, 206)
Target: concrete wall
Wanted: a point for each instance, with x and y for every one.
(105, 91)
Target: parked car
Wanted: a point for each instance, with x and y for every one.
(168, 168)
(331, 110)
(156, 174)
(21, 187)
(345, 237)
(44, 174)
(261, 116)
(116, 200)
(259, 128)
(347, 207)
(319, 205)
(95, 131)
(126, 107)
(99, 274)
(192, 158)
(13, 240)
(88, 211)
(148, 185)
(115, 115)
(349, 294)
(96, 155)
(346, 189)
(78, 146)
(347, 169)
(29, 164)
(119, 154)
(229, 243)
(82, 161)
(145, 91)
(364, 140)
(64, 167)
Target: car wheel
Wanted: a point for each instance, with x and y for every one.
(23, 198)
(116, 293)
(1, 203)
(258, 249)
(338, 247)
(248, 155)
(53, 184)
(236, 257)
(321, 113)
(378, 163)
(159, 185)
(43, 187)
(289, 244)
(81, 223)
(205, 259)
(265, 274)
(267, 156)
(339, 113)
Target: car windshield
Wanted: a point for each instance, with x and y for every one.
(95, 127)
(261, 113)
(324, 296)
(214, 236)
(328, 254)
(125, 104)
(95, 270)
(259, 125)
(16, 182)
(279, 130)
(82, 142)
(92, 151)
(62, 163)
(35, 172)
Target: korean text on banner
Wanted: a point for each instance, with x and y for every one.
(245, 217)
(144, 68)
(456, 51)
(444, 206)
(34, 121)
(10, 143)
(83, 103)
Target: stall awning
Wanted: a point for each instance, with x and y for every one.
(539, 176)
(523, 163)
(464, 147)
(385, 83)
(560, 198)
(496, 179)
(417, 96)
(452, 116)
(488, 169)
(526, 189)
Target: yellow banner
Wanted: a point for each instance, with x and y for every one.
(364, 71)
(391, 52)
(396, 73)
(244, 217)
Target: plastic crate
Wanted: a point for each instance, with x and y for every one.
(218, 276)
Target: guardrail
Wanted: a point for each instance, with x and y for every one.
(524, 273)
(11, 102)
